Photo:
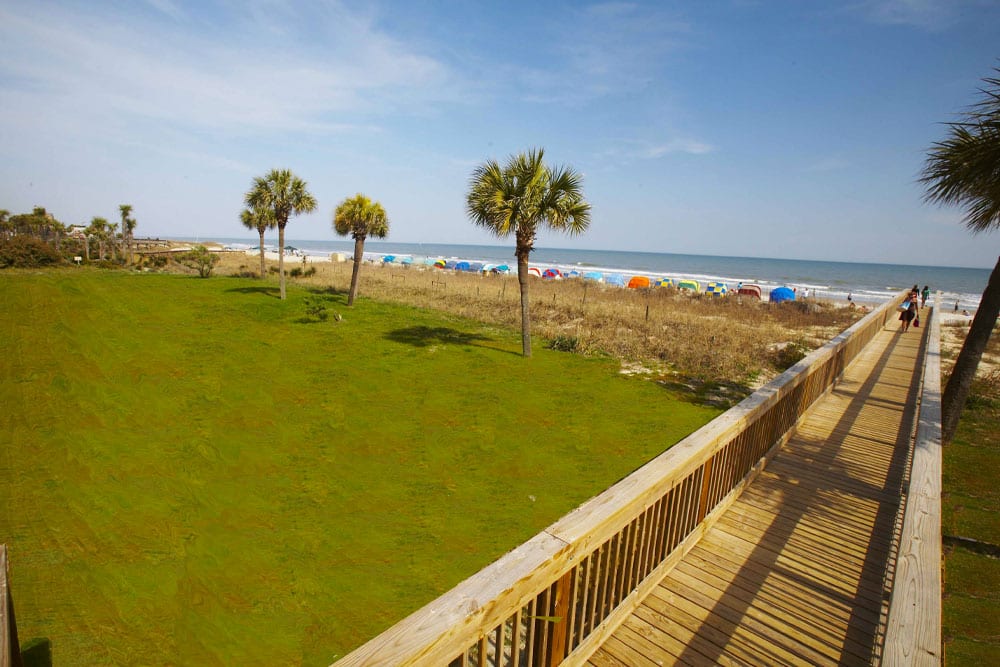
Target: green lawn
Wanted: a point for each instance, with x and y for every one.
(194, 473)
(971, 506)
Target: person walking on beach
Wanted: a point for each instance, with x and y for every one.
(926, 292)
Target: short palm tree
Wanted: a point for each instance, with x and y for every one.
(520, 197)
(964, 170)
(285, 194)
(260, 220)
(360, 217)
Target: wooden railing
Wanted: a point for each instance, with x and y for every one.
(10, 651)
(555, 598)
(913, 633)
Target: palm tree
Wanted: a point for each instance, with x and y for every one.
(964, 170)
(260, 220)
(284, 193)
(98, 228)
(128, 226)
(360, 217)
(519, 198)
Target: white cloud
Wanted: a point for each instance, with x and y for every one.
(924, 14)
(689, 146)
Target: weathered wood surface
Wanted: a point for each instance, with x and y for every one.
(795, 571)
(913, 636)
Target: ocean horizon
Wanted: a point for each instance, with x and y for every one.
(864, 282)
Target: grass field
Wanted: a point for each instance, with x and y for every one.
(971, 505)
(197, 473)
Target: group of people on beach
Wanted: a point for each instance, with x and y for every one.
(909, 314)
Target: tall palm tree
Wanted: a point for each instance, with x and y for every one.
(519, 198)
(284, 193)
(360, 217)
(260, 220)
(128, 226)
(964, 170)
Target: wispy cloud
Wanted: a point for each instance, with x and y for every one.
(137, 68)
(923, 14)
(689, 146)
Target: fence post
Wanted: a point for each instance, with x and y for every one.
(560, 630)
(10, 650)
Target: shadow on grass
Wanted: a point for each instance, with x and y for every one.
(330, 292)
(422, 336)
(261, 289)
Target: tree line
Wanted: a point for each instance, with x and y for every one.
(113, 241)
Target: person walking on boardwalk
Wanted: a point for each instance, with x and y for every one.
(926, 292)
(906, 317)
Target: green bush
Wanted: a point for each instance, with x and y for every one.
(27, 252)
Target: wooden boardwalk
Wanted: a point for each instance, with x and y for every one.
(797, 570)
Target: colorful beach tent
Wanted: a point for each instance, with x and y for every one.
(637, 282)
(476, 267)
(534, 271)
(572, 274)
(552, 273)
(753, 291)
(451, 264)
(440, 263)
(406, 260)
(503, 268)
(692, 285)
(463, 266)
(779, 294)
(664, 282)
(596, 276)
(717, 289)
(616, 279)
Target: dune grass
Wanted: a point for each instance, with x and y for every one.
(196, 472)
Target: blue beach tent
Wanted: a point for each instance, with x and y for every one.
(463, 266)
(388, 259)
(717, 289)
(616, 279)
(779, 294)
(596, 276)
(451, 264)
(476, 267)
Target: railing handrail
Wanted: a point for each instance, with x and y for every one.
(465, 615)
(913, 632)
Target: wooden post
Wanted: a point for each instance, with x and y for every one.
(10, 650)
(560, 629)
(706, 482)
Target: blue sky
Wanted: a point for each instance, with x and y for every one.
(765, 129)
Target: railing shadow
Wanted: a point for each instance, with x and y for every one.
(863, 626)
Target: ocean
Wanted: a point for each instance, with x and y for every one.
(871, 283)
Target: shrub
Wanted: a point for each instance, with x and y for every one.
(201, 259)
(564, 343)
(27, 252)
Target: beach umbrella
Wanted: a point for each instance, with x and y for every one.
(616, 279)
(637, 282)
(534, 271)
(779, 294)
(596, 276)
(552, 273)
(489, 267)
(717, 289)
(388, 259)
(572, 274)
(462, 266)
(406, 260)
(664, 282)
(692, 285)
(440, 263)
(450, 264)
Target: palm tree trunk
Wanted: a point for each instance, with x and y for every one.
(964, 372)
(86, 246)
(281, 258)
(522, 283)
(261, 246)
(359, 253)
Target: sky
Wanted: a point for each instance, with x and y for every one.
(733, 127)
